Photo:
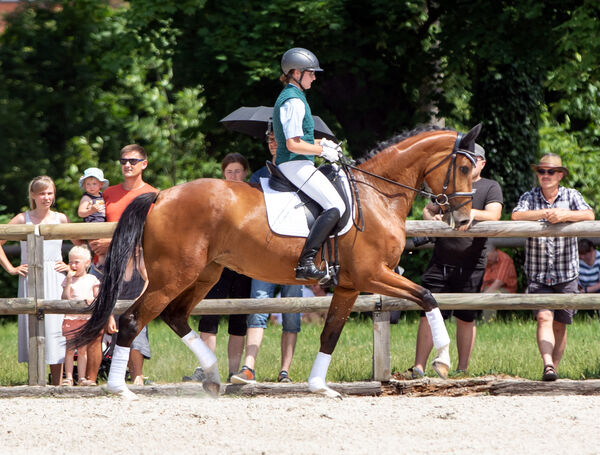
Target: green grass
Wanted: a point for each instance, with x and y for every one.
(502, 347)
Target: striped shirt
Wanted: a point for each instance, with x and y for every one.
(589, 274)
(551, 260)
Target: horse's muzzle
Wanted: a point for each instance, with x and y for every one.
(455, 219)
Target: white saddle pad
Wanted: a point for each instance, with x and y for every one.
(285, 211)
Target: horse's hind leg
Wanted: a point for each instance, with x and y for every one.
(146, 308)
(339, 310)
(176, 315)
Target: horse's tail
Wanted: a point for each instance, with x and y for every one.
(126, 241)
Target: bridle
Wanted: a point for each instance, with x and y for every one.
(442, 199)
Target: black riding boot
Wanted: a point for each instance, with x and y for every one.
(319, 232)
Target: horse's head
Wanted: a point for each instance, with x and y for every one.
(450, 179)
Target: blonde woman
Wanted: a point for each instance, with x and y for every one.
(42, 194)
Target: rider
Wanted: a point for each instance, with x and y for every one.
(293, 126)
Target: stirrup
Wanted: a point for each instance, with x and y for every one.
(327, 276)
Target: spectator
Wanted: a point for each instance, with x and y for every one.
(257, 323)
(458, 265)
(500, 274)
(589, 266)
(117, 197)
(78, 285)
(91, 206)
(551, 263)
(231, 285)
(42, 194)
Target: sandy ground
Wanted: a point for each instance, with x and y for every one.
(301, 425)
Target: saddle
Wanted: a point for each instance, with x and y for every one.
(279, 182)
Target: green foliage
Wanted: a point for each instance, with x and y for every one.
(498, 68)
(578, 155)
(78, 82)
(377, 74)
(571, 117)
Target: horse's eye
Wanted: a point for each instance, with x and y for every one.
(465, 170)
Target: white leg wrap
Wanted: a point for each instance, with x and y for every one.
(116, 375)
(206, 358)
(212, 373)
(438, 328)
(316, 380)
(443, 355)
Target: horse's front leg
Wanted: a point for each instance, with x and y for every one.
(387, 282)
(341, 304)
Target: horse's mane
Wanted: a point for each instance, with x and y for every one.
(399, 138)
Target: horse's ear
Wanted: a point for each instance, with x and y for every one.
(468, 140)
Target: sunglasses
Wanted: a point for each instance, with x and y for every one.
(132, 161)
(547, 171)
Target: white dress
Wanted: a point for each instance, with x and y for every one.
(55, 342)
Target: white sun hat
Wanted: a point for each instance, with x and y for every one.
(93, 172)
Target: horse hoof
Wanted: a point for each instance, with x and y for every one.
(441, 369)
(211, 388)
(326, 391)
(123, 393)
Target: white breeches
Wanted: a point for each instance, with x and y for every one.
(313, 183)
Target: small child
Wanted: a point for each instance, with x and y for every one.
(91, 206)
(78, 285)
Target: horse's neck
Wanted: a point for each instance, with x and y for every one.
(395, 200)
(406, 167)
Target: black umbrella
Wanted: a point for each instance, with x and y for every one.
(254, 121)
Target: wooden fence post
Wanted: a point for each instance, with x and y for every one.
(381, 346)
(35, 289)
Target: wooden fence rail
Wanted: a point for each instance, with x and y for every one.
(379, 305)
(364, 303)
(414, 228)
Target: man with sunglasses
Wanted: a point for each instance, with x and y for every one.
(117, 197)
(458, 265)
(552, 263)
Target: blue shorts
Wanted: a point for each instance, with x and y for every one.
(264, 290)
(291, 321)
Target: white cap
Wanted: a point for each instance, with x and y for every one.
(93, 172)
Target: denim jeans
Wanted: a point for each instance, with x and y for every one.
(264, 290)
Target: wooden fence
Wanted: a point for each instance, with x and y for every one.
(37, 306)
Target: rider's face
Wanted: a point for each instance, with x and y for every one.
(307, 78)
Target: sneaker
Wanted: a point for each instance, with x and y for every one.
(283, 376)
(245, 376)
(413, 373)
(459, 374)
(197, 376)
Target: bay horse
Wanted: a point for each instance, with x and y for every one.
(195, 229)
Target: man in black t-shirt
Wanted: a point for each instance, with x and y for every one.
(458, 265)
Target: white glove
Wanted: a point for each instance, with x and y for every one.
(327, 143)
(330, 153)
